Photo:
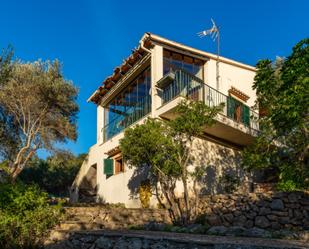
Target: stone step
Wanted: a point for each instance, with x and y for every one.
(80, 218)
(76, 225)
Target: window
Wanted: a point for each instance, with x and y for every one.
(119, 165)
(130, 105)
(238, 111)
(173, 61)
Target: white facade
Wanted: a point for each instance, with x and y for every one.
(222, 142)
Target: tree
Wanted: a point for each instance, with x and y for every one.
(8, 128)
(164, 147)
(42, 107)
(283, 93)
(55, 174)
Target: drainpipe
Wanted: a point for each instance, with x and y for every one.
(142, 46)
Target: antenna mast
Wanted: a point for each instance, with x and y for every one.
(215, 35)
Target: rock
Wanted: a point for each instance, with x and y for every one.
(280, 213)
(228, 217)
(196, 228)
(304, 235)
(159, 245)
(295, 222)
(264, 211)
(136, 243)
(298, 214)
(249, 224)
(235, 231)
(261, 221)
(279, 195)
(237, 213)
(214, 198)
(272, 217)
(88, 239)
(104, 243)
(251, 215)
(121, 244)
(213, 220)
(154, 226)
(217, 230)
(263, 203)
(257, 232)
(239, 221)
(277, 204)
(76, 243)
(284, 220)
(275, 225)
(293, 197)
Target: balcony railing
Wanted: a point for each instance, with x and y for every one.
(192, 87)
(133, 114)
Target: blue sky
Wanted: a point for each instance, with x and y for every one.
(92, 37)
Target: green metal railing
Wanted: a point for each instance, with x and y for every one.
(192, 87)
(133, 114)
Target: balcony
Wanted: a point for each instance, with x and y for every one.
(237, 123)
(130, 116)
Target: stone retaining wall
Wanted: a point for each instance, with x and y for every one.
(268, 210)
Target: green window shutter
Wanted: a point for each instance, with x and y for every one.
(108, 166)
(246, 115)
(230, 107)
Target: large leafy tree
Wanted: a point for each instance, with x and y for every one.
(8, 129)
(40, 109)
(55, 174)
(283, 96)
(164, 147)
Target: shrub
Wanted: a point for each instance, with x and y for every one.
(286, 186)
(229, 182)
(25, 215)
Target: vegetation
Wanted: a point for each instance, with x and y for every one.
(145, 193)
(229, 183)
(164, 150)
(25, 216)
(55, 174)
(283, 96)
(38, 109)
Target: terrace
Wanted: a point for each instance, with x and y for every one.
(237, 123)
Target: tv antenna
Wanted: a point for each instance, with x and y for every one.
(214, 32)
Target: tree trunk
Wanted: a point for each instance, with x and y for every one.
(186, 199)
(14, 173)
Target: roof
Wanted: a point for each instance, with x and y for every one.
(146, 42)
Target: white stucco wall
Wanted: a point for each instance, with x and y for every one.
(231, 75)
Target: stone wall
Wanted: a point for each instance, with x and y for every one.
(268, 210)
(263, 210)
(163, 240)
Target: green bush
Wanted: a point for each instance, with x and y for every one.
(25, 215)
(286, 186)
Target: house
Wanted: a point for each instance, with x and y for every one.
(150, 83)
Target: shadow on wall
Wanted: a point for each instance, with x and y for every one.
(219, 162)
(222, 170)
(139, 175)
